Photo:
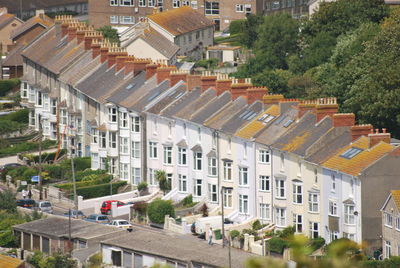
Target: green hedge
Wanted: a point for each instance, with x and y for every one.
(7, 85)
(84, 174)
(277, 245)
(46, 156)
(158, 209)
(236, 26)
(101, 180)
(393, 262)
(24, 147)
(99, 190)
(21, 116)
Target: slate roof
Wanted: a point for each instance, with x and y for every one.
(258, 122)
(83, 67)
(304, 134)
(173, 95)
(149, 96)
(138, 93)
(185, 101)
(41, 20)
(102, 83)
(277, 128)
(242, 117)
(211, 107)
(362, 160)
(198, 105)
(126, 89)
(328, 144)
(159, 43)
(181, 20)
(226, 113)
(178, 247)
(53, 53)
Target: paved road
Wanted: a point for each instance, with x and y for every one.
(13, 159)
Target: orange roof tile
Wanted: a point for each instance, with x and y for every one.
(360, 161)
(396, 197)
(181, 20)
(254, 126)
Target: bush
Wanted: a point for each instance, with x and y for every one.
(54, 171)
(21, 116)
(24, 147)
(7, 85)
(99, 190)
(277, 245)
(286, 232)
(82, 163)
(142, 186)
(207, 64)
(257, 225)
(85, 174)
(234, 233)
(158, 209)
(8, 201)
(187, 201)
(236, 26)
(316, 243)
(392, 262)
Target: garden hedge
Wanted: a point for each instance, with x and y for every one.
(101, 180)
(236, 26)
(277, 245)
(158, 209)
(7, 85)
(99, 190)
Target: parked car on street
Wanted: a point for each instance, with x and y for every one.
(97, 218)
(106, 206)
(44, 206)
(75, 214)
(26, 203)
(124, 224)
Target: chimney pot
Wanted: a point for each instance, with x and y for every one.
(375, 138)
(383, 130)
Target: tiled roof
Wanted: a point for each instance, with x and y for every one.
(396, 197)
(256, 125)
(362, 160)
(304, 134)
(6, 19)
(186, 100)
(181, 20)
(149, 96)
(173, 95)
(159, 43)
(42, 20)
(127, 88)
(137, 94)
(14, 57)
(9, 262)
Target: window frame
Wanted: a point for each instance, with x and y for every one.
(313, 203)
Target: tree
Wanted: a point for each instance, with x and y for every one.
(158, 209)
(164, 184)
(109, 33)
(8, 201)
(249, 30)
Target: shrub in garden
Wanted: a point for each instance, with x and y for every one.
(234, 233)
(7, 85)
(142, 186)
(99, 190)
(257, 225)
(316, 243)
(236, 26)
(187, 201)
(158, 209)
(277, 245)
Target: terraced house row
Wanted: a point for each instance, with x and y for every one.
(285, 161)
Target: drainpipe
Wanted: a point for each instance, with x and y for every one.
(255, 177)
(272, 183)
(143, 147)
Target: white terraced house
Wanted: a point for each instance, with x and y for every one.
(284, 161)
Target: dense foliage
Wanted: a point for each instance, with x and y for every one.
(348, 49)
(158, 209)
(109, 33)
(7, 85)
(7, 149)
(57, 260)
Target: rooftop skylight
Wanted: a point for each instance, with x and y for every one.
(350, 153)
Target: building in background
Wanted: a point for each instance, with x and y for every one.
(391, 225)
(122, 14)
(8, 23)
(11, 66)
(25, 9)
(297, 8)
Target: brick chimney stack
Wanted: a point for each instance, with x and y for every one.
(360, 130)
(207, 81)
(344, 120)
(120, 62)
(151, 70)
(305, 106)
(272, 99)
(177, 76)
(255, 94)
(375, 138)
(326, 107)
(72, 29)
(223, 83)
(113, 53)
(164, 73)
(80, 35)
(193, 81)
(240, 88)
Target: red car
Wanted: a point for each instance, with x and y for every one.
(106, 206)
